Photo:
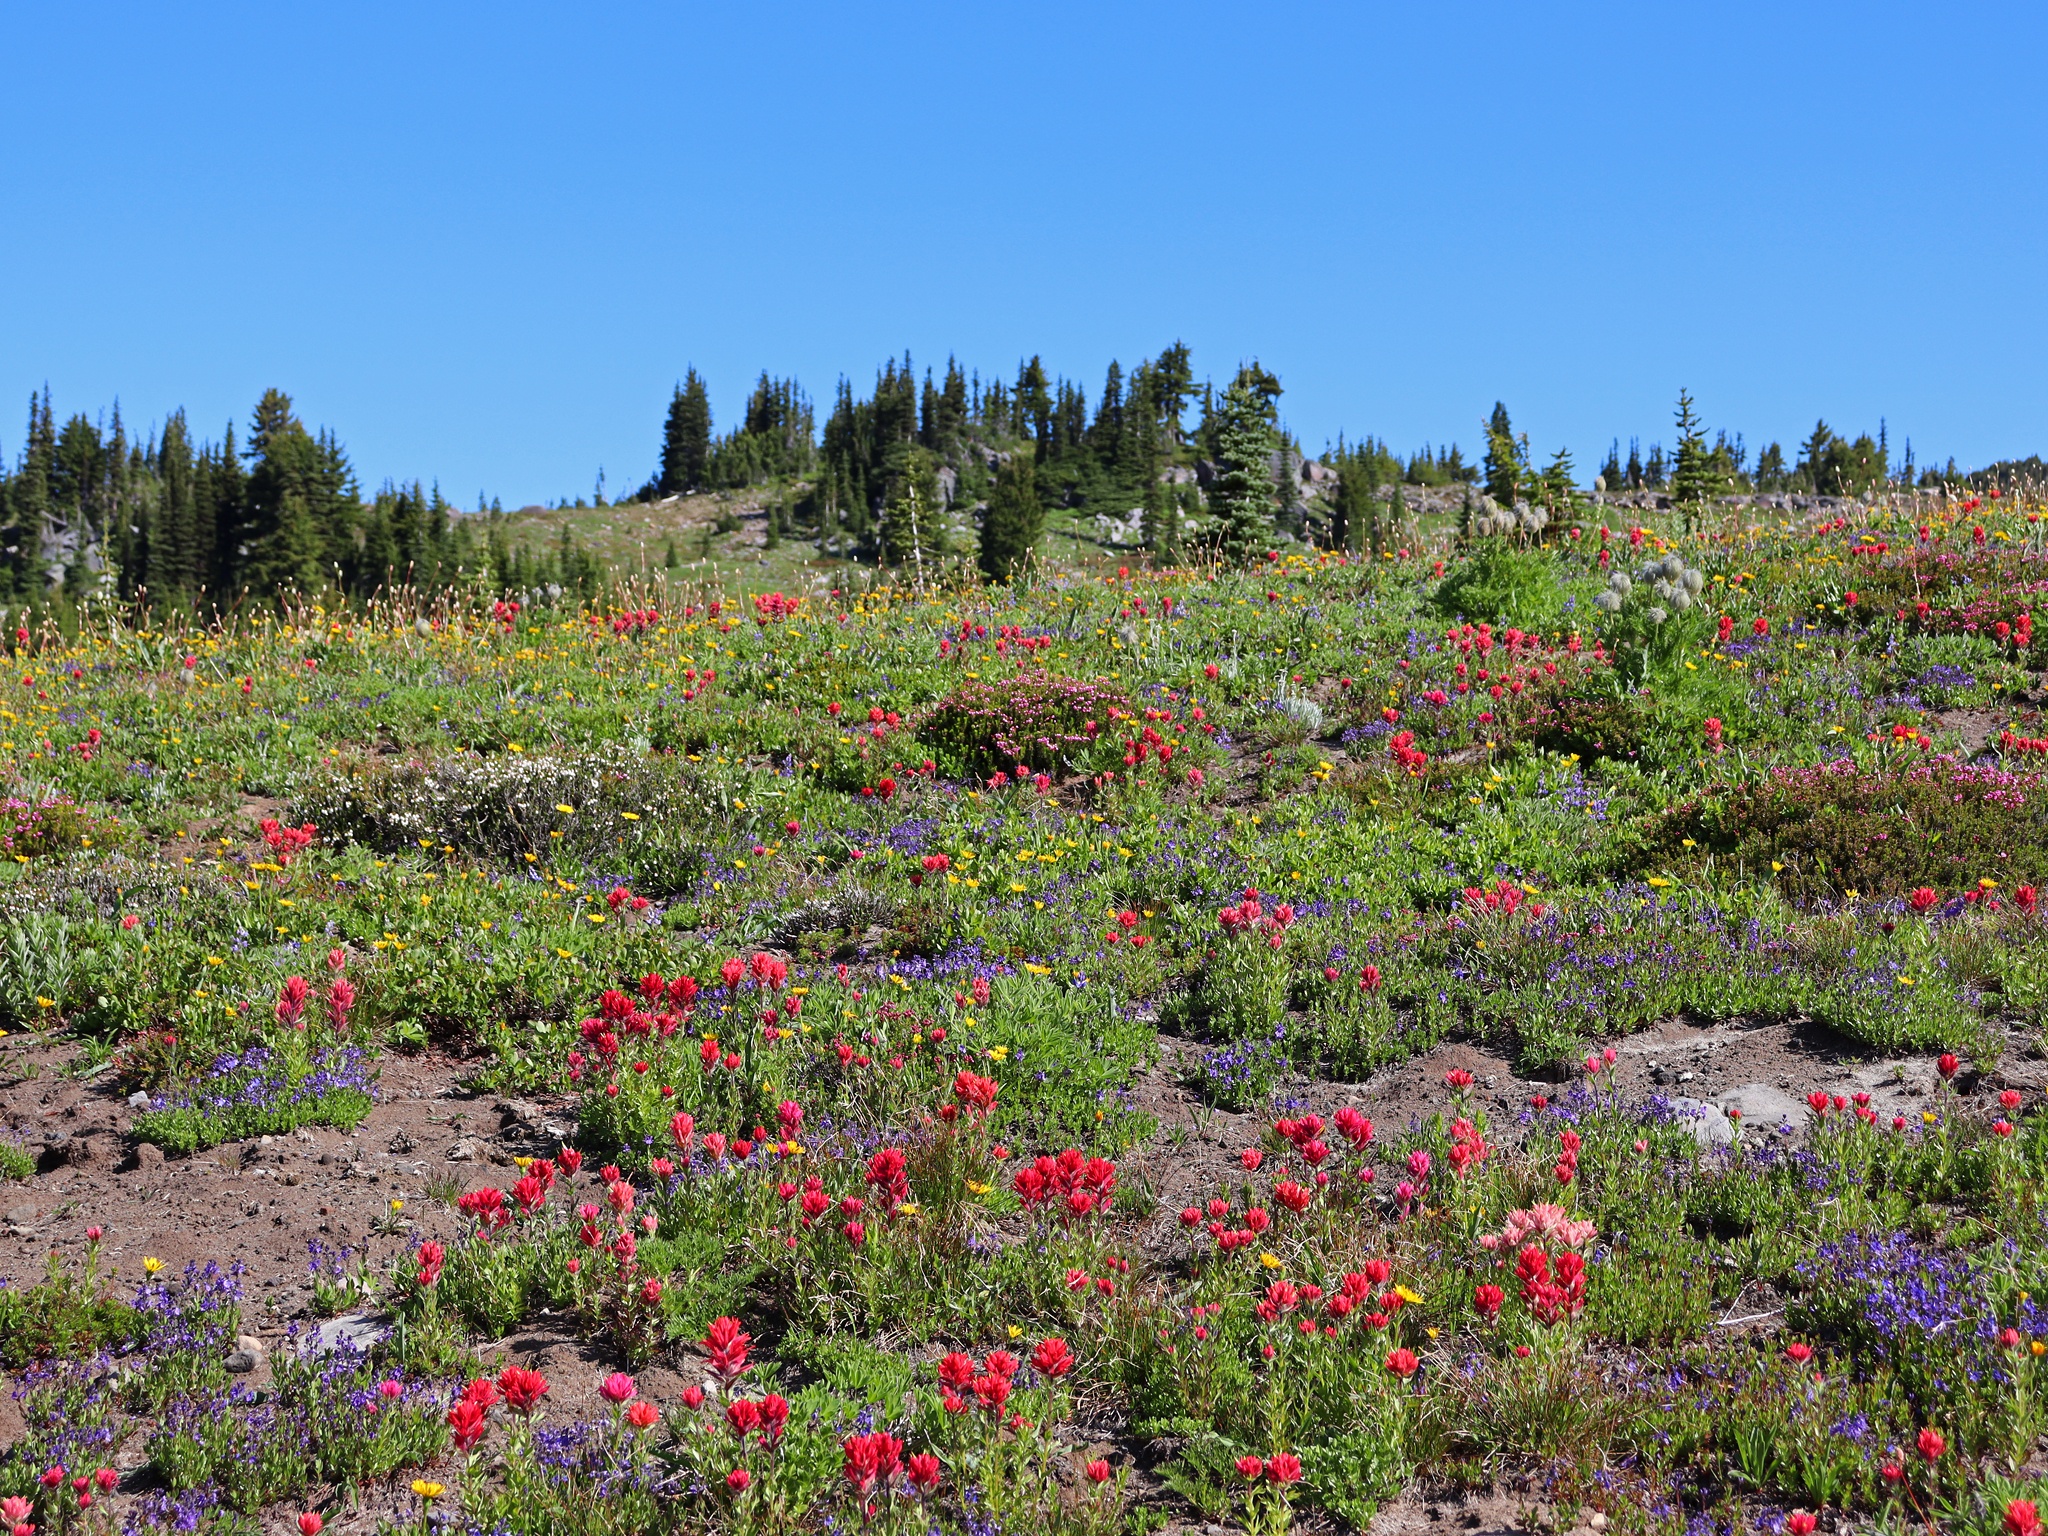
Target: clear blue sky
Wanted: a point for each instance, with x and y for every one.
(482, 243)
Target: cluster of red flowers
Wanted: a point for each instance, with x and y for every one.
(16, 1509)
(977, 1093)
(871, 1459)
(633, 621)
(1823, 1104)
(1503, 899)
(989, 1385)
(1402, 749)
(285, 841)
(505, 612)
(1280, 1468)
(520, 1388)
(1552, 1288)
(1567, 1157)
(1468, 1147)
(1227, 1238)
(1250, 916)
(773, 607)
(432, 1256)
(1083, 1185)
(621, 898)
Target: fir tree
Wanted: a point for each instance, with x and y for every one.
(1013, 520)
(1160, 520)
(1504, 467)
(1244, 434)
(1031, 407)
(1557, 483)
(173, 569)
(1692, 477)
(1174, 386)
(1611, 471)
(685, 439)
(1355, 509)
(912, 533)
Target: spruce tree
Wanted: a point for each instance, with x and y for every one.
(1013, 520)
(1611, 472)
(1557, 483)
(1161, 521)
(912, 533)
(1355, 515)
(1692, 478)
(1244, 434)
(1503, 458)
(686, 439)
(173, 567)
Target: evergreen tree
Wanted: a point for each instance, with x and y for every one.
(1013, 520)
(1504, 467)
(685, 439)
(28, 504)
(1611, 471)
(1692, 477)
(1396, 525)
(1245, 433)
(220, 514)
(300, 528)
(1173, 387)
(1105, 437)
(1355, 509)
(1557, 483)
(1031, 407)
(1632, 477)
(1160, 520)
(173, 568)
(913, 533)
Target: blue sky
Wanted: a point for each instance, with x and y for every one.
(482, 243)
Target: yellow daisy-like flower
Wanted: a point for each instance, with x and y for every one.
(566, 810)
(152, 1265)
(397, 1206)
(1407, 1295)
(998, 1053)
(427, 1490)
(1270, 1260)
(1016, 1332)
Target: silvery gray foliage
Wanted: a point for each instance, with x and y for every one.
(507, 804)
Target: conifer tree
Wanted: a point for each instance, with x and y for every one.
(686, 439)
(1692, 478)
(1244, 435)
(1503, 458)
(1174, 386)
(1160, 520)
(912, 533)
(173, 568)
(1013, 520)
(1355, 509)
